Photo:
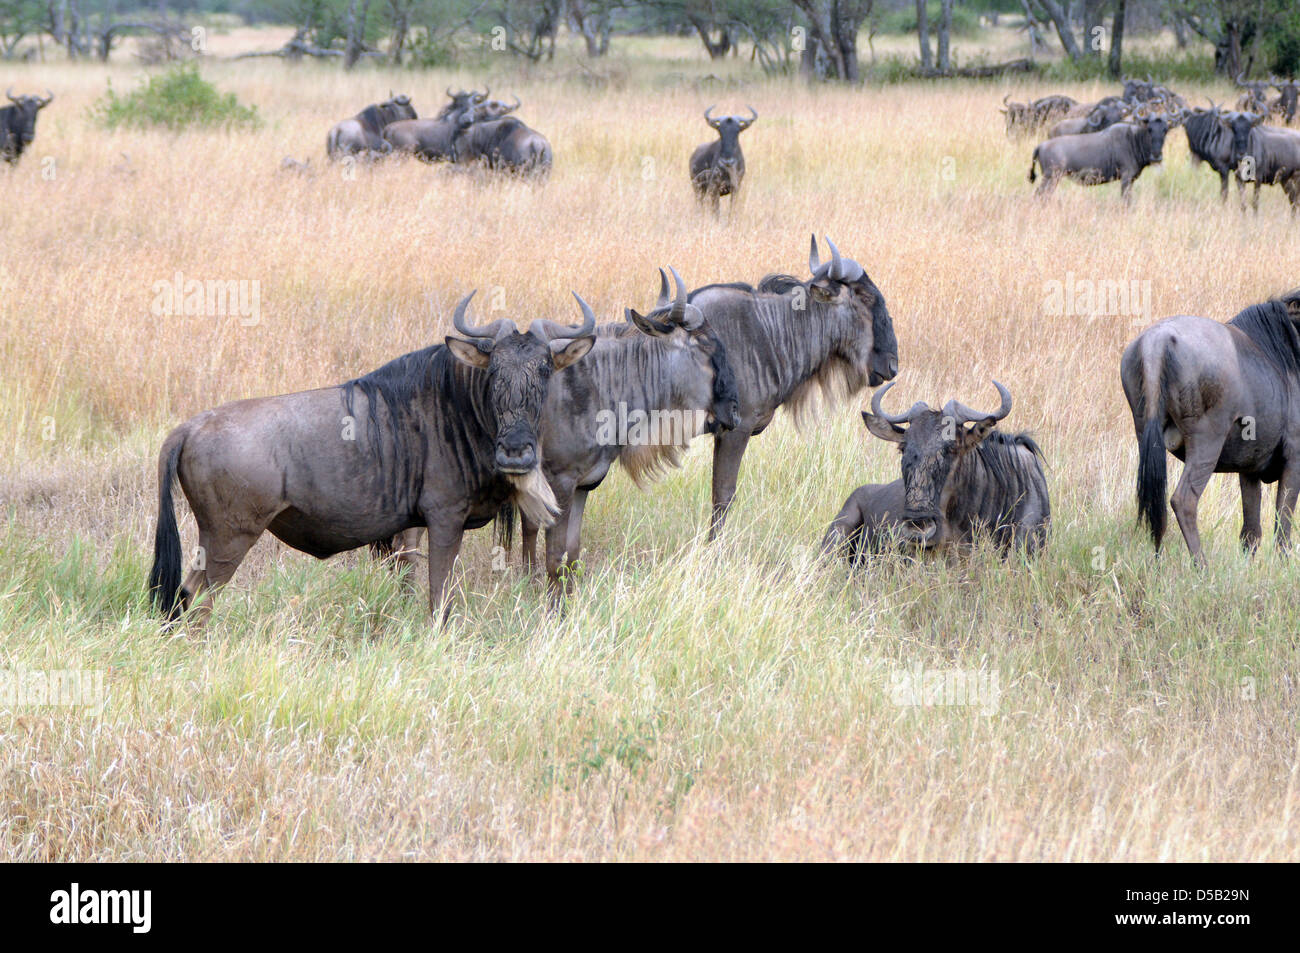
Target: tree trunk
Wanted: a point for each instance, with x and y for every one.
(356, 40)
(923, 35)
(945, 28)
(716, 50)
(1061, 20)
(1093, 14)
(1116, 65)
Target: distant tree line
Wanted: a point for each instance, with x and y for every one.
(820, 38)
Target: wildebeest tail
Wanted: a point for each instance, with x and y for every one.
(1152, 478)
(504, 526)
(165, 576)
(1032, 162)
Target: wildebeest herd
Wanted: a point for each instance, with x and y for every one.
(496, 423)
(1117, 137)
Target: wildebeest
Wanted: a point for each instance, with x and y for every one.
(1288, 98)
(431, 139)
(18, 123)
(497, 109)
(1096, 117)
(718, 168)
(363, 134)
(788, 340)
(1119, 152)
(1255, 97)
(1265, 155)
(442, 438)
(1223, 398)
(1209, 137)
(962, 479)
(649, 386)
(1028, 117)
(502, 145)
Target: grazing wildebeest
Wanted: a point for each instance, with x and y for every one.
(363, 134)
(647, 388)
(1265, 155)
(788, 340)
(1029, 117)
(1099, 116)
(18, 123)
(442, 438)
(502, 145)
(431, 139)
(1120, 152)
(718, 168)
(1209, 137)
(962, 479)
(1223, 398)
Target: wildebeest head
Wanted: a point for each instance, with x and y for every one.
(1107, 112)
(396, 108)
(20, 121)
(844, 280)
(519, 369)
(1138, 90)
(461, 101)
(931, 442)
(684, 327)
(1240, 124)
(496, 109)
(1156, 129)
(729, 129)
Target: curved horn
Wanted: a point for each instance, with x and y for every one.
(483, 96)
(49, 98)
(814, 259)
(518, 102)
(1005, 98)
(964, 414)
(679, 303)
(664, 299)
(746, 123)
(895, 419)
(837, 263)
(843, 269)
(553, 331)
(450, 94)
(709, 119)
(488, 332)
(10, 94)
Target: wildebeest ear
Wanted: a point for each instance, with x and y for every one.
(974, 434)
(568, 351)
(882, 428)
(648, 325)
(468, 353)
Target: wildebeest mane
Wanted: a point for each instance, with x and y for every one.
(1269, 326)
(733, 285)
(779, 284)
(1205, 133)
(372, 117)
(1011, 473)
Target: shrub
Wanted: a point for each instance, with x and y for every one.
(176, 99)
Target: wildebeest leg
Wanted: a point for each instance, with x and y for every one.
(573, 542)
(528, 532)
(844, 529)
(1047, 186)
(728, 450)
(1223, 187)
(1126, 190)
(1288, 488)
(559, 559)
(1254, 198)
(1250, 528)
(221, 558)
(1202, 454)
(445, 533)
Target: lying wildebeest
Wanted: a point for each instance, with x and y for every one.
(649, 386)
(502, 145)
(363, 134)
(787, 340)
(1099, 116)
(18, 123)
(718, 168)
(1223, 398)
(497, 109)
(962, 479)
(1119, 152)
(1138, 91)
(1265, 155)
(441, 438)
(1209, 137)
(431, 139)
(1024, 118)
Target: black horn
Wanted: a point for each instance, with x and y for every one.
(553, 331)
(896, 419)
(964, 414)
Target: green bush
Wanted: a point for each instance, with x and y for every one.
(176, 99)
(965, 21)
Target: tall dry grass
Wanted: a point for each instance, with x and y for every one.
(697, 701)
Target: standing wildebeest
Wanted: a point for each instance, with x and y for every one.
(1223, 398)
(441, 438)
(1029, 117)
(363, 134)
(503, 145)
(1210, 138)
(961, 479)
(431, 139)
(787, 340)
(1288, 98)
(647, 388)
(1265, 155)
(718, 168)
(1255, 97)
(1119, 152)
(18, 123)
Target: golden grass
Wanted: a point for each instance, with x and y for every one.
(698, 701)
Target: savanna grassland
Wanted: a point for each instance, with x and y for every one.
(696, 701)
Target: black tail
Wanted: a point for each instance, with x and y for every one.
(165, 577)
(1152, 480)
(1033, 177)
(505, 526)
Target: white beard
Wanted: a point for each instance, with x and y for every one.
(534, 498)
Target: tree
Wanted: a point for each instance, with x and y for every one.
(834, 25)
